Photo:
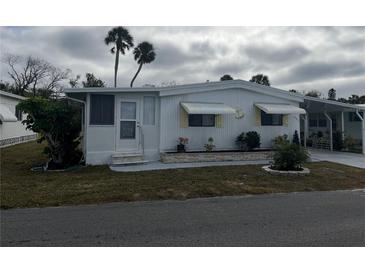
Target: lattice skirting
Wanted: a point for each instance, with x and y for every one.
(17, 140)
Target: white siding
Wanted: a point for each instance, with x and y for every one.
(224, 138)
(101, 141)
(12, 129)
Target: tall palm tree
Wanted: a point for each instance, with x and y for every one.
(123, 41)
(144, 53)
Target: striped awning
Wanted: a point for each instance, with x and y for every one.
(280, 109)
(207, 108)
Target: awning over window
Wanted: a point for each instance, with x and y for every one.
(207, 108)
(280, 109)
(6, 115)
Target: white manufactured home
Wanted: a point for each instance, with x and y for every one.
(12, 131)
(145, 122)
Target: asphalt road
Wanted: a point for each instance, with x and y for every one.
(296, 219)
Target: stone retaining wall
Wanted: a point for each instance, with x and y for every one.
(215, 156)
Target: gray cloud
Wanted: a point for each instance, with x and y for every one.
(324, 70)
(275, 54)
(292, 57)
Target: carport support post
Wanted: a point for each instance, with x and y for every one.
(362, 118)
(342, 127)
(305, 129)
(331, 137)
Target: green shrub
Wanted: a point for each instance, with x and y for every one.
(252, 139)
(241, 141)
(289, 157)
(281, 140)
(350, 143)
(248, 141)
(58, 122)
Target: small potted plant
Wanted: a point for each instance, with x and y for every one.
(182, 141)
(210, 145)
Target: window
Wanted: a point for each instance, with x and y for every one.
(18, 113)
(353, 117)
(149, 110)
(127, 129)
(128, 116)
(271, 119)
(201, 120)
(102, 109)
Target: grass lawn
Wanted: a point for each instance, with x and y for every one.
(21, 187)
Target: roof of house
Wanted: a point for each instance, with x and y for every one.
(212, 86)
(11, 95)
(196, 88)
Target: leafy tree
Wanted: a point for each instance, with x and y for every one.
(74, 82)
(58, 122)
(226, 77)
(355, 99)
(122, 41)
(92, 81)
(260, 79)
(5, 86)
(313, 93)
(332, 94)
(144, 53)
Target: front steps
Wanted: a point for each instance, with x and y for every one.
(127, 159)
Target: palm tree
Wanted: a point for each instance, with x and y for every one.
(123, 41)
(144, 54)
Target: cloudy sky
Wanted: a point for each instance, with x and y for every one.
(302, 58)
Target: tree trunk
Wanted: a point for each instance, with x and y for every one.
(116, 67)
(135, 76)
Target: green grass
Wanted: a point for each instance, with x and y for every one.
(21, 187)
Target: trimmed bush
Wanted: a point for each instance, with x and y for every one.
(252, 140)
(289, 157)
(248, 141)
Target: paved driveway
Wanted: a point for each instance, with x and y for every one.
(298, 219)
(350, 159)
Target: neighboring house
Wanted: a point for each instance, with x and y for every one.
(144, 122)
(12, 131)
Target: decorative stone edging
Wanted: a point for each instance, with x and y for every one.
(305, 171)
(215, 156)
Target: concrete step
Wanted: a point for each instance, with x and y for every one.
(124, 163)
(127, 158)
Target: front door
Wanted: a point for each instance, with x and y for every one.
(129, 126)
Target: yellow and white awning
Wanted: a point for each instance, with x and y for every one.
(6, 115)
(207, 108)
(280, 109)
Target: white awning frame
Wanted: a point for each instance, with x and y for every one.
(6, 115)
(207, 108)
(280, 108)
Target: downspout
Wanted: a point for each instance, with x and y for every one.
(331, 137)
(362, 119)
(83, 118)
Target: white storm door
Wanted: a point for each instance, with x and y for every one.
(129, 126)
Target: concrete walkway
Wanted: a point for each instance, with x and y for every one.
(159, 166)
(345, 158)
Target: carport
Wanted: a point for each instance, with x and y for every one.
(327, 117)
